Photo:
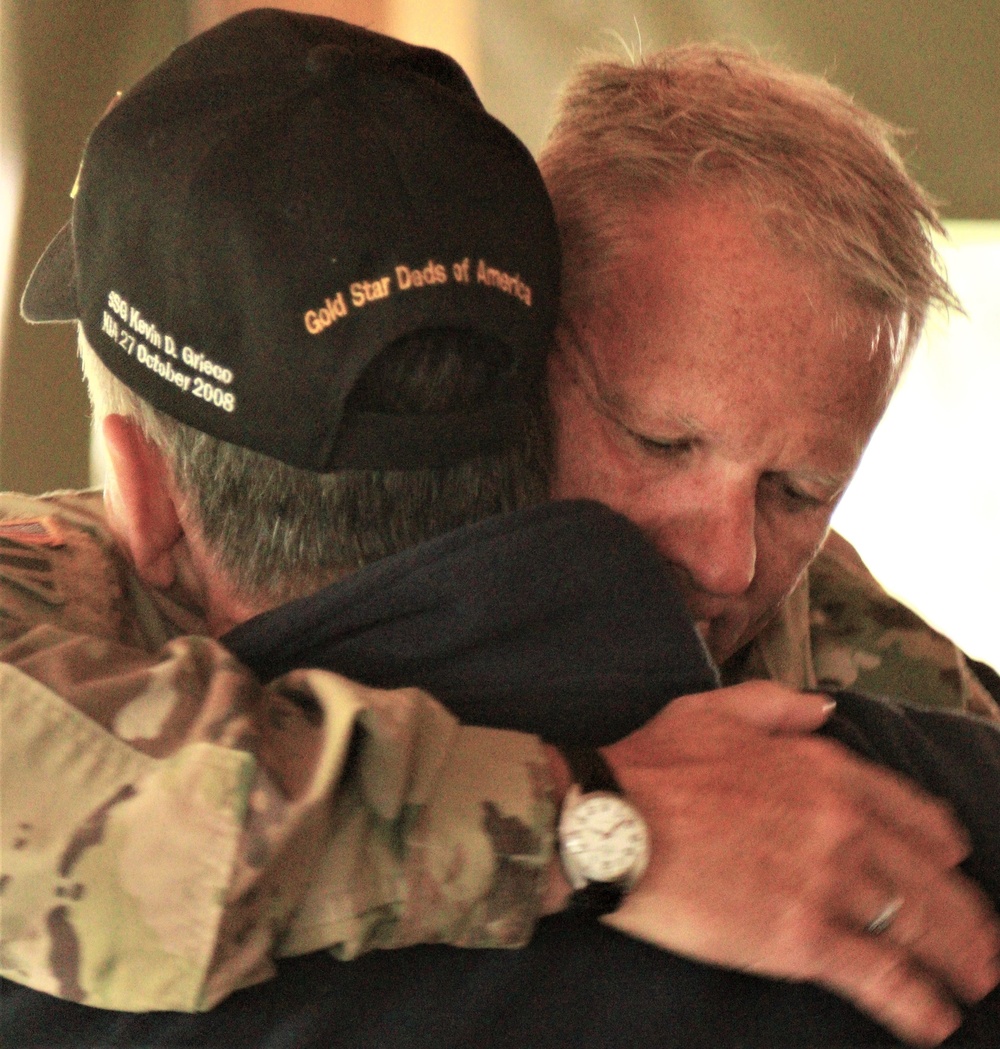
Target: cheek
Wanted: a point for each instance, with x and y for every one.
(585, 463)
(574, 473)
(588, 465)
(784, 551)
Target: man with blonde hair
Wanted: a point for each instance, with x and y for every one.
(772, 851)
(747, 266)
(733, 228)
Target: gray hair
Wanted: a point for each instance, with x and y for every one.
(822, 172)
(278, 532)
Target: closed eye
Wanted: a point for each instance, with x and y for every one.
(664, 448)
(797, 500)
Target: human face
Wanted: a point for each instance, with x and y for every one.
(719, 394)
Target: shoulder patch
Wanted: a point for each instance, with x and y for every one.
(26, 567)
(32, 531)
(27, 575)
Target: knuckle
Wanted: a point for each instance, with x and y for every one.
(802, 940)
(832, 766)
(933, 810)
(891, 983)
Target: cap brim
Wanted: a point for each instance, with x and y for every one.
(50, 294)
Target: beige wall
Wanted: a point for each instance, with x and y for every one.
(932, 66)
(445, 24)
(54, 90)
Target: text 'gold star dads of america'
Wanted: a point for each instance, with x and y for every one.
(405, 278)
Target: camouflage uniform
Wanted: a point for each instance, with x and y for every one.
(841, 630)
(169, 825)
(182, 780)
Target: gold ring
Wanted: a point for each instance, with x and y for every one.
(885, 917)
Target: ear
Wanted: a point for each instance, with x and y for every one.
(139, 497)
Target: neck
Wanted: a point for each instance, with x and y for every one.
(200, 580)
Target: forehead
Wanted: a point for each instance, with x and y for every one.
(706, 313)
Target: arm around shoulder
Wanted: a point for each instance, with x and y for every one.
(166, 816)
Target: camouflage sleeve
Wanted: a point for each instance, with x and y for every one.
(169, 825)
(866, 640)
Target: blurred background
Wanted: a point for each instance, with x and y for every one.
(925, 508)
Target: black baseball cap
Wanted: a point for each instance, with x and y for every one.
(275, 204)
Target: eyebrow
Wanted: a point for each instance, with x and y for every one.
(617, 402)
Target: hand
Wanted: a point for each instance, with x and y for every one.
(773, 849)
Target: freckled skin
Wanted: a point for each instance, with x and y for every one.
(719, 392)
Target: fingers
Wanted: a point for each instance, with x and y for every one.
(779, 709)
(940, 942)
(784, 846)
(880, 979)
(945, 926)
(765, 705)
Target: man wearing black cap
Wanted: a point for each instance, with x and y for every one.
(244, 292)
(314, 324)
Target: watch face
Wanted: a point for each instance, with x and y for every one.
(603, 839)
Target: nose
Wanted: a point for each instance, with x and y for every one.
(715, 543)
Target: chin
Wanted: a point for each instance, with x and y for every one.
(718, 639)
(721, 650)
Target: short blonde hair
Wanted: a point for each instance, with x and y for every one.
(822, 171)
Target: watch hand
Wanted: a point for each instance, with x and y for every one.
(620, 823)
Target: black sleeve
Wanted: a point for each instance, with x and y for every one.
(951, 755)
(987, 676)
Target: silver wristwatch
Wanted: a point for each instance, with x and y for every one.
(603, 840)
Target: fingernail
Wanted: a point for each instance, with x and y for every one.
(830, 705)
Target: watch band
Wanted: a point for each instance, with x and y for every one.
(589, 770)
(595, 900)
